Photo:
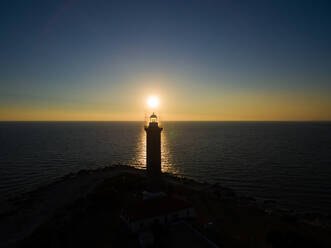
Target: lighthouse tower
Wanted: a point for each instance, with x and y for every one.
(153, 152)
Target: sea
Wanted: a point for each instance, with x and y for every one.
(288, 162)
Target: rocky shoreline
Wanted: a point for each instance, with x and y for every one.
(26, 212)
(269, 206)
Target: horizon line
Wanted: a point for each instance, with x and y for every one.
(166, 121)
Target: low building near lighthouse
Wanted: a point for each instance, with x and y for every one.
(143, 214)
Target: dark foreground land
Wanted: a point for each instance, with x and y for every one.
(90, 216)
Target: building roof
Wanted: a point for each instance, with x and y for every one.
(144, 209)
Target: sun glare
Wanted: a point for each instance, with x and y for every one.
(153, 102)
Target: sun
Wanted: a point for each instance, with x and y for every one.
(153, 102)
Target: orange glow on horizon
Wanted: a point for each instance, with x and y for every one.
(180, 105)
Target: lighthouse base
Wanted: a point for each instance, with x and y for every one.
(155, 184)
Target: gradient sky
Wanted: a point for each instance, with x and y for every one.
(206, 60)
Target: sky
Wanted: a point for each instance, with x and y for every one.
(206, 60)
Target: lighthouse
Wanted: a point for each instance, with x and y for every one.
(153, 152)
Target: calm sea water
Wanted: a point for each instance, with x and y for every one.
(288, 162)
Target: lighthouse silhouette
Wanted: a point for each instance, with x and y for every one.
(153, 153)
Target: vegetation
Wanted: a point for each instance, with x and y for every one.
(95, 220)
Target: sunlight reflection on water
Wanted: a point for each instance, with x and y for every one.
(288, 161)
(139, 159)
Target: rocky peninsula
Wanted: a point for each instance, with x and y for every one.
(83, 209)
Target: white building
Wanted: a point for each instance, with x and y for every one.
(142, 214)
